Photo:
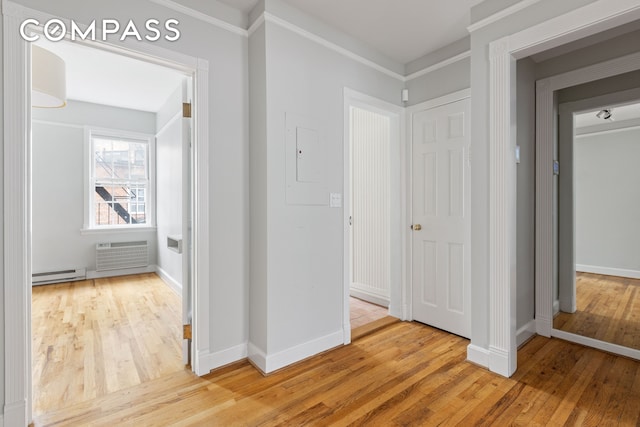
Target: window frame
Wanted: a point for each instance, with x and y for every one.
(90, 225)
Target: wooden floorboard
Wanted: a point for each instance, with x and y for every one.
(94, 337)
(608, 309)
(403, 375)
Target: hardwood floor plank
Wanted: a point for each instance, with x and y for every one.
(406, 374)
(94, 337)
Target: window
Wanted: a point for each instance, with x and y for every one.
(120, 171)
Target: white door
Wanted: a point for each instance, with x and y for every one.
(441, 221)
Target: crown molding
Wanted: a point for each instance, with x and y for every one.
(438, 65)
(523, 4)
(170, 4)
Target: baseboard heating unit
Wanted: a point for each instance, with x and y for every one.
(59, 276)
(121, 255)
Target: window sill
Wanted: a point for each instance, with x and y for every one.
(117, 230)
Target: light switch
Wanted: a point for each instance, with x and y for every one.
(335, 200)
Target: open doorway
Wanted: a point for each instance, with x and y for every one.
(111, 207)
(599, 271)
(372, 202)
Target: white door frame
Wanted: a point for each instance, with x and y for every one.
(545, 138)
(17, 203)
(398, 291)
(503, 53)
(410, 111)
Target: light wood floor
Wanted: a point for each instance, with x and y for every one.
(608, 310)
(95, 337)
(404, 375)
(362, 312)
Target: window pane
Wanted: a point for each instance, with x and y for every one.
(138, 161)
(121, 174)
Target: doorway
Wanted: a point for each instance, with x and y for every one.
(118, 153)
(373, 277)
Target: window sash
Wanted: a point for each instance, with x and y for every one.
(112, 213)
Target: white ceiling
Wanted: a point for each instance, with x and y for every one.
(403, 30)
(620, 113)
(101, 77)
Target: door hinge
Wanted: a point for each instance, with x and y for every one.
(186, 109)
(186, 332)
(556, 167)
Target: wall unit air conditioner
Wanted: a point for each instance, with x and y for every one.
(121, 255)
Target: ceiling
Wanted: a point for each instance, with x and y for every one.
(101, 77)
(403, 30)
(619, 113)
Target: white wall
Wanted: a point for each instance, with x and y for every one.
(607, 200)
(169, 181)
(441, 81)
(299, 247)
(59, 184)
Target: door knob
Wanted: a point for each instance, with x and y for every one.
(416, 227)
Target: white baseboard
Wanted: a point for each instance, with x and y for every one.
(525, 333)
(396, 312)
(556, 307)
(478, 355)
(15, 414)
(170, 281)
(369, 297)
(124, 272)
(500, 362)
(257, 356)
(208, 361)
(272, 362)
(608, 271)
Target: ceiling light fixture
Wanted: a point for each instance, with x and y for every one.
(605, 114)
(48, 81)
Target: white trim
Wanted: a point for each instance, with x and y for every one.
(330, 45)
(268, 363)
(370, 297)
(50, 123)
(169, 4)
(396, 115)
(525, 333)
(600, 345)
(502, 210)
(579, 23)
(170, 281)
(117, 230)
(256, 24)
(17, 208)
(608, 271)
(218, 359)
(523, 4)
(478, 355)
(92, 274)
(17, 225)
(438, 65)
(440, 101)
(592, 130)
